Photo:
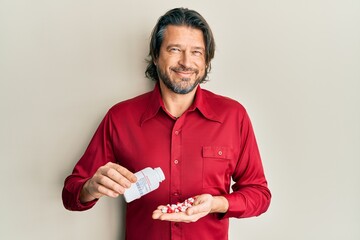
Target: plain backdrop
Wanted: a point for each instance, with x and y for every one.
(295, 66)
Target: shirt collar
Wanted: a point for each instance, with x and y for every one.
(200, 103)
(154, 104)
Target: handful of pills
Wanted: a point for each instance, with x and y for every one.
(179, 207)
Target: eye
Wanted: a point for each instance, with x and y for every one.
(174, 49)
(197, 53)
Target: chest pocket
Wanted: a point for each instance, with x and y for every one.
(216, 166)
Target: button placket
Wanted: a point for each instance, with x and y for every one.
(176, 172)
(176, 159)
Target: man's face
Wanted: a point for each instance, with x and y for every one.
(181, 62)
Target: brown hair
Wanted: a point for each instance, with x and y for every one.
(179, 17)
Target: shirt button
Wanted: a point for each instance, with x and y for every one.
(176, 132)
(176, 161)
(220, 153)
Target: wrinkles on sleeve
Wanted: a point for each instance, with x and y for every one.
(98, 153)
(250, 196)
(71, 195)
(250, 202)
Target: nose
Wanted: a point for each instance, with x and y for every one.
(185, 59)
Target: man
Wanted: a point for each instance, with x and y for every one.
(199, 139)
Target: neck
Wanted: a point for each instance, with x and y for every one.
(176, 104)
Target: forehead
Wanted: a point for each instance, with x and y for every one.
(183, 35)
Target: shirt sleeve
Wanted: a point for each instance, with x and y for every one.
(250, 196)
(98, 153)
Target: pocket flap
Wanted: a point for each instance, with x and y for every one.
(217, 152)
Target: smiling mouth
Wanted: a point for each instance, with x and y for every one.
(184, 72)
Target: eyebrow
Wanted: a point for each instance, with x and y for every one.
(173, 45)
(199, 48)
(179, 46)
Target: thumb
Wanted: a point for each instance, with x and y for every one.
(196, 208)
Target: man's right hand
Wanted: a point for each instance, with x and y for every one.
(109, 180)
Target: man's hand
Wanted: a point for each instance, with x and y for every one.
(203, 205)
(109, 180)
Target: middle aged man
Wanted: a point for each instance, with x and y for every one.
(200, 140)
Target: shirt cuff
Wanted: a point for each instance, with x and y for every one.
(87, 205)
(71, 196)
(237, 206)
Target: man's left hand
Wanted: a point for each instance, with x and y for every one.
(203, 205)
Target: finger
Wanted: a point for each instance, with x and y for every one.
(156, 214)
(108, 192)
(111, 185)
(101, 190)
(161, 207)
(201, 204)
(124, 172)
(192, 211)
(115, 176)
(175, 217)
(197, 208)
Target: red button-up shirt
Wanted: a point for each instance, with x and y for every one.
(200, 152)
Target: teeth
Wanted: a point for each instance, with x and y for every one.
(179, 207)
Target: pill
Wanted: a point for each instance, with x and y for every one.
(178, 207)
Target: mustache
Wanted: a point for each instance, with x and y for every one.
(183, 69)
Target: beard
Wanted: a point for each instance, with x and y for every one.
(184, 86)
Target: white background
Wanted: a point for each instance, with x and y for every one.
(295, 65)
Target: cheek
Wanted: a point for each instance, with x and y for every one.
(200, 63)
(202, 67)
(166, 63)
